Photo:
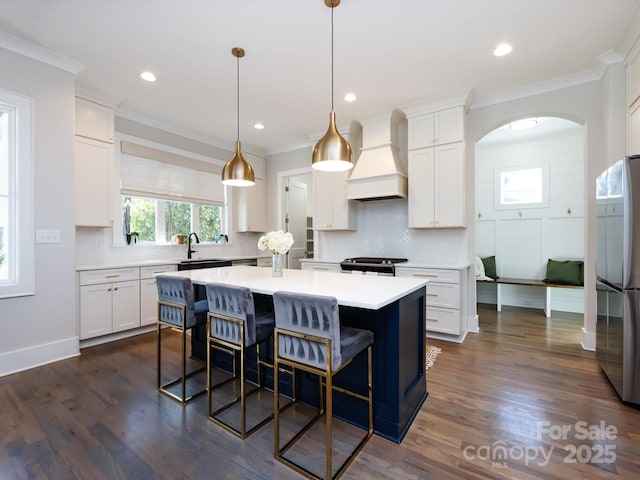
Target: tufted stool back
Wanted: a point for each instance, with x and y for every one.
(235, 302)
(179, 291)
(310, 314)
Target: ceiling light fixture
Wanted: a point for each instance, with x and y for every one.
(350, 97)
(523, 124)
(332, 153)
(237, 172)
(258, 126)
(148, 76)
(502, 50)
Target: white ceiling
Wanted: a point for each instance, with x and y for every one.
(390, 53)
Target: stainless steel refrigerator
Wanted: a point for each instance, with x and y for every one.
(618, 276)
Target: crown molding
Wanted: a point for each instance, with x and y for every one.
(41, 54)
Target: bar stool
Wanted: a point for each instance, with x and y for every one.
(234, 327)
(308, 336)
(178, 309)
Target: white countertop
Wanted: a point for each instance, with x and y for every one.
(363, 291)
(148, 263)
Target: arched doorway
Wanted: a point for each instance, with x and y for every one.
(530, 206)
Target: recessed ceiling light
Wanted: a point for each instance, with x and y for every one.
(523, 124)
(502, 49)
(258, 126)
(350, 97)
(148, 76)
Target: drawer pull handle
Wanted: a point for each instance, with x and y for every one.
(430, 275)
(109, 289)
(112, 276)
(432, 319)
(432, 294)
(320, 268)
(115, 289)
(159, 271)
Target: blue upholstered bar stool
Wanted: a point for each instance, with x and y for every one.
(308, 336)
(234, 327)
(178, 309)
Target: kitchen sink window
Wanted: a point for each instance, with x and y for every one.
(160, 221)
(167, 193)
(16, 196)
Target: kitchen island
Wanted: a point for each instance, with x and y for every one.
(393, 308)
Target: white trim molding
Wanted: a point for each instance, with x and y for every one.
(44, 55)
(35, 356)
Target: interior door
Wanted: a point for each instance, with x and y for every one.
(296, 220)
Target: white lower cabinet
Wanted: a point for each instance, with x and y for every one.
(109, 301)
(149, 292)
(118, 299)
(445, 312)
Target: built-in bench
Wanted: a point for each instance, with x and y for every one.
(528, 283)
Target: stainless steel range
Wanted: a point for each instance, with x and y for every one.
(371, 265)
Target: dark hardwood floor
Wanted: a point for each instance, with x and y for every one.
(507, 390)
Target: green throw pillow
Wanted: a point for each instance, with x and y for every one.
(490, 266)
(565, 272)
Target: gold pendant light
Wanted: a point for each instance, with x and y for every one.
(237, 172)
(332, 152)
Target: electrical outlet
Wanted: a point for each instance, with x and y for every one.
(47, 236)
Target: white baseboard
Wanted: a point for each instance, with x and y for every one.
(588, 341)
(90, 342)
(35, 356)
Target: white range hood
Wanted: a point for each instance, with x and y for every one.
(380, 170)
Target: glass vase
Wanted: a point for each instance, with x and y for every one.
(276, 265)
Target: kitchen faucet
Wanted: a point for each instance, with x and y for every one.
(189, 251)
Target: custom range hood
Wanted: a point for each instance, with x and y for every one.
(380, 170)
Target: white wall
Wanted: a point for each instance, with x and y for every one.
(42, 328)
(522, 239)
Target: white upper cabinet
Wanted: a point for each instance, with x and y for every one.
(331, 209)
(436, 128)
(94, 120)
(436, 166)
(93, 164)
(249, 203)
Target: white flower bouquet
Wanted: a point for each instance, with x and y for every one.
(277, 242)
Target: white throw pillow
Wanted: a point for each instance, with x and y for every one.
(479, 268)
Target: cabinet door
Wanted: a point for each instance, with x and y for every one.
(421, 195)
(125, 305)
(94, 121)
(322, 201)
(95, 310)
(251, 209)
(331, 209)
(448, 126)
(148, 302)
(93, 162)
(634, 127)
(421, 131)
(449, 179)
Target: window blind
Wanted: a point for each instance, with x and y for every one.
(149, 172)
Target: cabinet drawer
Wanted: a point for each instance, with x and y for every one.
(443, 320)
(433, 274)
(109, 275)
(443, 295)
(264, 262)
(321, 267)
(152, 271)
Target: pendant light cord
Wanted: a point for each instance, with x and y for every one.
(238, 98)
(332, 8)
